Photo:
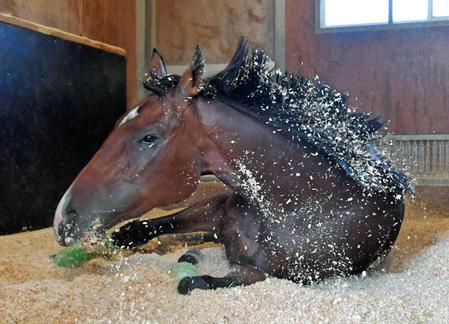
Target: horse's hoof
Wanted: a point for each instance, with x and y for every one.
(185, 286)
(122, 239)
(131, 235)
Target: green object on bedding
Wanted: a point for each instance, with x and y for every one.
(73, 257)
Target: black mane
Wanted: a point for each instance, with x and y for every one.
(301, 109)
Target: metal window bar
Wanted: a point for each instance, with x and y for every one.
(429, 10)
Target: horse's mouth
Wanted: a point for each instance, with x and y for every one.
(95, 234)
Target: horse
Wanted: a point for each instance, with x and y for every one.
(311, 196)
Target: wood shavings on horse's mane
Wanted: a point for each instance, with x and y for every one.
(303, 111)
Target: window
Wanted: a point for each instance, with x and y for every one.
(440, 8)
(341, 14)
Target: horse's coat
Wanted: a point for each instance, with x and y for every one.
(312, 198)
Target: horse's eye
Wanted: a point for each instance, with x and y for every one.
(149, 139)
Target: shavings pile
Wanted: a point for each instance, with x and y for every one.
(139, 289)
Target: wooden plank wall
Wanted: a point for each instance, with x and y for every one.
(215, 25)
(111, 22)
(402, 75)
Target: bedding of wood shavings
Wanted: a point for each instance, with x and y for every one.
(412, 285)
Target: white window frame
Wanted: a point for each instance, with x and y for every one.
(431, 21)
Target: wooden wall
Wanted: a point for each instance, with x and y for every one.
(215, 25)
(403, 75)
(108, 21)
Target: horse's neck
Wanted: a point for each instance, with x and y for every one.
(249, 156)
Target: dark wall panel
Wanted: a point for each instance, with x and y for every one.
(109, 21)
(58, 102)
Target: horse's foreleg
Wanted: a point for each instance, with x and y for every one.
(240, 276)
(203, 216)
(239, 232)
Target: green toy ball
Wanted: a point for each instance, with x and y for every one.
(73, 257)
(182, 270)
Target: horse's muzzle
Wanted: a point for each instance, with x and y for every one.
(64, 221)
(66, 229)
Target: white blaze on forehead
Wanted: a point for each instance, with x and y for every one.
(132, 114)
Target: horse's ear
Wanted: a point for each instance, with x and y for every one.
(157, 65)
(192, 78)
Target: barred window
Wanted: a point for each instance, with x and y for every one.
(334, 14)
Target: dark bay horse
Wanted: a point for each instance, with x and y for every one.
(312, 198)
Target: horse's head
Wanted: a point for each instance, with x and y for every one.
(151, 159)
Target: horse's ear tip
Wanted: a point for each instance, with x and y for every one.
(199, 51)
(198, 58)
(156, 53)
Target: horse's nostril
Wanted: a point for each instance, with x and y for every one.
(70, 215)
(62, 234)
(67, 226)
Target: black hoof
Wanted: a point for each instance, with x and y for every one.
(186, 285)
(131, 235)
(188, 258)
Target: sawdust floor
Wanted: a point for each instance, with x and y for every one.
(413, 287)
